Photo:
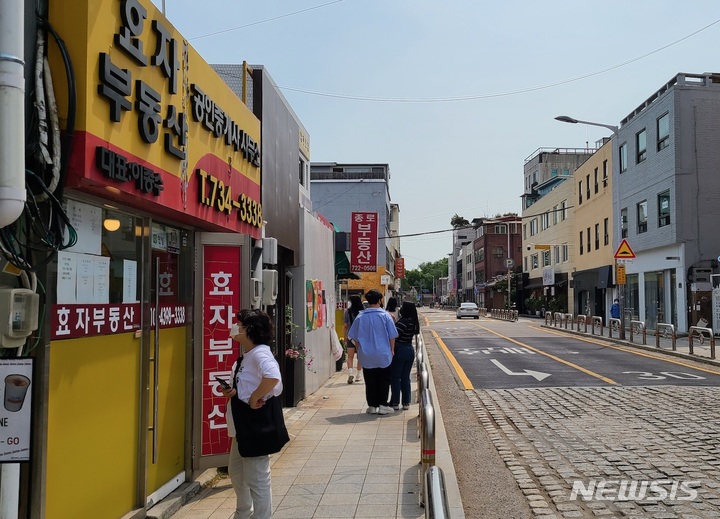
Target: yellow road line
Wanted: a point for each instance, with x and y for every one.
(628, 349)
(460, 372)
(555, 358)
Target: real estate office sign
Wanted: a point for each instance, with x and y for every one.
(363, 242)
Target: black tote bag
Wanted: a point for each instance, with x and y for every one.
(259, 432)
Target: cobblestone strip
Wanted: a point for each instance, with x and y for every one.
(554, 438)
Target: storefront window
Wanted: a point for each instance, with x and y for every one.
(632, 298)
(654, 299)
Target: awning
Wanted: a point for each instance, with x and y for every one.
(342, 266)
(604, 279)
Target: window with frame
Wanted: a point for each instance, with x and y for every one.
(622, 154)
(534, 260)
(563, 213)
(606, 231)
(624, 222)
(642, 217)
(580, 192)
(664, 209)
(587, 186)
(554, 172)
(588, 240)
(557, 254)
(581, 243)
(597, 236)
(605, 173)
(565, 253)
(533, 227)
(663, 132)
(497, 252)
(546, 258)
(545, 221)
(597, 185)
(525, 262)
(555, 215)
(500, 229)
(641, 145)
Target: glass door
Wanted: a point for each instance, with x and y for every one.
(167, 353)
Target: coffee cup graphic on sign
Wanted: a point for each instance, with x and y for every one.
(16, 387)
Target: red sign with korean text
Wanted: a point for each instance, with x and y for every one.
(85, 320)
(221, 301)
(399, 268)
(363, 242)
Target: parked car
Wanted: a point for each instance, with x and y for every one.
(468, 310)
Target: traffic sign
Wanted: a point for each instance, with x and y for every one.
(509, 263)
(620, 275)
(624, 251)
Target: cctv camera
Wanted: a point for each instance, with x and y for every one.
(529, 247)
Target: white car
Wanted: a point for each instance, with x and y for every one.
(468, 310)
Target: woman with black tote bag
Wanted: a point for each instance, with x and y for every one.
(257, 415)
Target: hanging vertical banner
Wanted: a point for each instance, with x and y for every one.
(221, 300)
(363, 242)
(400, 268)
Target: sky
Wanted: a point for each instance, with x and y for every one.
(455, 95)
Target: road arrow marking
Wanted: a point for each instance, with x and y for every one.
(539, 375)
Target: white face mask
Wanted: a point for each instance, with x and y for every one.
(235, 330)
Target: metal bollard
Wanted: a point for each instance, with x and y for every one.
(436, 505)
(427, 435)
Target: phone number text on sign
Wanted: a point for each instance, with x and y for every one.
(215, 193)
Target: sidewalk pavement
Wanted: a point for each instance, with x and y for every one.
(339, 463)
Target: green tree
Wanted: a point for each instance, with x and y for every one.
(424, 275)
(458, 221)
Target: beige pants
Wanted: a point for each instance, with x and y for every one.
(251, 481)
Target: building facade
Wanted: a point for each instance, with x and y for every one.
(337, 190)
(594, 265)
(667, 160)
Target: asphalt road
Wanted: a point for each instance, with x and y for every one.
(533, 413)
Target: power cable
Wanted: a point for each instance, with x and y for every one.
(476, 97)
(263, 21)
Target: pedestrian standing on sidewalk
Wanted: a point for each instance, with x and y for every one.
(374, 333)
(615, 309)
(408, 327)
(253, 396)
(392, 308)
(351, 313)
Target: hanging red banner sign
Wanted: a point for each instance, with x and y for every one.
(363, 242)
(221, 301)
(399, 268)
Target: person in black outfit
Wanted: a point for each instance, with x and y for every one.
(408, 327)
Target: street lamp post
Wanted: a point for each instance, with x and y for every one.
(614, 130)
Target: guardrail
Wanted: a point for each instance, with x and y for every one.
(668, 330)
(638, 327)
(597, 320)
(504, 314)
(433, 496)
(699, 331)
(614, 324)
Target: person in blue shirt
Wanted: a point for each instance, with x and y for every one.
(615, 310)
(373, 331)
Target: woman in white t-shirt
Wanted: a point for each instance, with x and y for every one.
(256, 380)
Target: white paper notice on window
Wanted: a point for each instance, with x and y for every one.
(85, 275)
(66, 278)
(86, 219)
(102, 280)
(129, 281)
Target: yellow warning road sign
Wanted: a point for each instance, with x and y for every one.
(624, 251)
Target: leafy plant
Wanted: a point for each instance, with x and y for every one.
(296, 350)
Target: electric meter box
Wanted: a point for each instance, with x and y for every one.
(18, 315)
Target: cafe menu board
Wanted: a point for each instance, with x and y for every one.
(16, 378)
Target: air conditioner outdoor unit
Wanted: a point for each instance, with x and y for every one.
(269, 287)
(270, 251)
(255, 292)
